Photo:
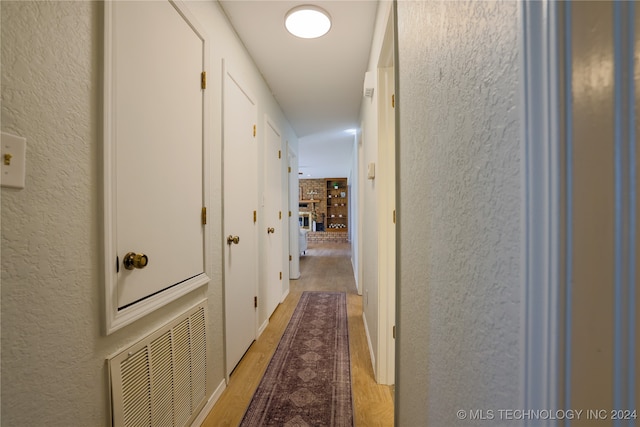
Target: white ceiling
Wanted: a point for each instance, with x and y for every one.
(317, 82)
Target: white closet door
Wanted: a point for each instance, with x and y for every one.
(155, 143)
(240, 203)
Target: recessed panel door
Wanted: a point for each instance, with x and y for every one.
(240, 207)
(154, 147)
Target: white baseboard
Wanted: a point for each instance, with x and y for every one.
(262, 328)
(284, 296)
(210, 403)
(371, 354)
(355, 275)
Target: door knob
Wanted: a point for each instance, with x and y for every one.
(233, 239)
(271, 230)
(133, 260)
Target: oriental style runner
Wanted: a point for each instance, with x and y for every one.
(308, 380)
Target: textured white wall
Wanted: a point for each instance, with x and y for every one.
(53, 350)
(460, 210)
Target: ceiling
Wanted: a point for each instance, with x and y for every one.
(317, 82)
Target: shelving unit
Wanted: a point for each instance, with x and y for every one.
(337, 204)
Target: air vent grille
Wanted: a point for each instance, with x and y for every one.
(162, 380)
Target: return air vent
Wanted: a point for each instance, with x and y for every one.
(162, 380)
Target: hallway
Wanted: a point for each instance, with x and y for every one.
(325, 267)
(516, 206)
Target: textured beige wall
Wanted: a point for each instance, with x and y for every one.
(459, 210)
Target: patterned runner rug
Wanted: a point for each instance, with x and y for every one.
(308, 381)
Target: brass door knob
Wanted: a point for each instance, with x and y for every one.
(233, 239)
(133, 260)
(271, 230)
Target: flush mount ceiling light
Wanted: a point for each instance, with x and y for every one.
(307, 22)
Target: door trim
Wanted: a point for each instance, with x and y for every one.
(115, 319)
(543, 208)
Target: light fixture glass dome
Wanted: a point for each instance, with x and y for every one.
(307, 22)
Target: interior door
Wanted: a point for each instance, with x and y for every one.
(273, 218)
(240, 199)
(294, 224)
(385, 372)
(387, 248)
(154, 163)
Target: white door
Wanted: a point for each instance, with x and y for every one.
(294, 225)
(240, 199)
(386, 212)
(387, 232)
(273, 218)
(154, 163)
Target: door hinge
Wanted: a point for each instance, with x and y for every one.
(279, 154)
(394, 216)
(281, 275)
(393, 100)
(255, 216)
(254, 130)
(394, 332)
(204, 215)
(203, 80)
(289, 169)
(255, 302)
(289, 213)
(279, 214)
(290, 258)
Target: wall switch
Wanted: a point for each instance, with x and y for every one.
(371, 171)
(13, 156)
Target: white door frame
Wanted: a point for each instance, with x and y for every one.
(386, 194)
(548, 207)
(542, 228)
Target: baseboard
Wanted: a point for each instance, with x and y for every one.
(262, 328)
(355, 275)
(284, 296)
(210, 403)
(371, 354)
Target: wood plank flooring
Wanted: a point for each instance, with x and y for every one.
(325, 267)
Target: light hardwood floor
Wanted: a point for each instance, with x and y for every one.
(325, 267)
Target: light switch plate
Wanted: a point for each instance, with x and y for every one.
(371, 171)
(13, 156)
